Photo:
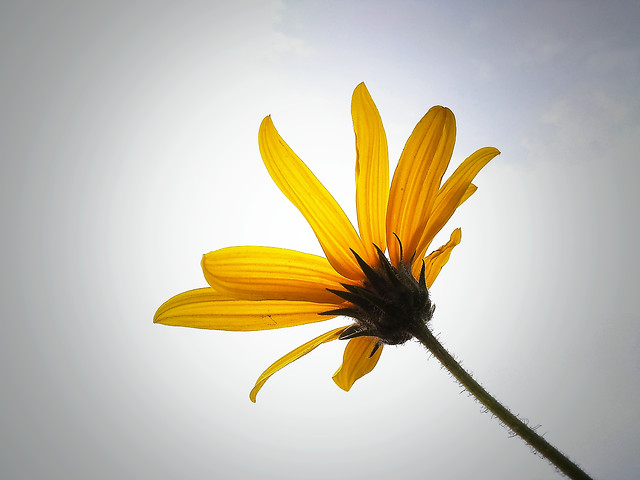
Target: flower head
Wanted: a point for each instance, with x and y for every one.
(258, 288)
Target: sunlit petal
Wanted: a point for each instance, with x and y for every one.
(292, 356)
(416, 266)
(357, 361)
(206, 308)
(328, 221)
(266, 273)
(372, 171)
(417, 179)
(438, 258)
(470, 191)
(453, 192)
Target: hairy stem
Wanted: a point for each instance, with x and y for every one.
(562, 462)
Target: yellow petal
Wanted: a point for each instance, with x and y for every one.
(328, 221)
(417, 179)
(470, 191)
(417, 265)
(372, 171)
(357, 361)
(292, 356)
(265, 273)
(206, 308)
(453, 192)
(438, 258)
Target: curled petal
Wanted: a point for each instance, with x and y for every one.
(470, 191)
(417, 179)
(372, 171)
(328, 221)
(453, 193)
(357, 361)
(438, 258)
(206, 308)
(416, 266)
(266, 273)
(292, 356)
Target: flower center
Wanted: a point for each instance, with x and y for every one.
(389, 304)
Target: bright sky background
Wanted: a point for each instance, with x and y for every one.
(128, 141)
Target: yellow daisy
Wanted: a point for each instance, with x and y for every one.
(387, 297)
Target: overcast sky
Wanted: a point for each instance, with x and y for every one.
(128, 140)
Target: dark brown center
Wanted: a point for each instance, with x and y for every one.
(389, 303)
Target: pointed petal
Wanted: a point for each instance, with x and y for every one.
(417, 179)
(292, 356)
(453, 193)
(328, 221)
(372, 171)
(206, 308)
(266, 273)
(357, 361)
(470, 191)
(438, 258)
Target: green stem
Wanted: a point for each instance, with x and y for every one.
(562, 462)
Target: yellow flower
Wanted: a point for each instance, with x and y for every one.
(259, 288)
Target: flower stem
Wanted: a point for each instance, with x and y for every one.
(561, 461)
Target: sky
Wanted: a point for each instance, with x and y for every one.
(128, 141)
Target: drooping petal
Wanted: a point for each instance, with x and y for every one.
(453, 192)
(372, 171)
(438, 258)
(292, 356)
(357, 361)
(328, 221)
(266, 273)
(417, 179)
(206, 308)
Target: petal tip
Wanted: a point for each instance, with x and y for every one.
(456, 236)
(266, 121)
(493, 151)
(344, 386)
